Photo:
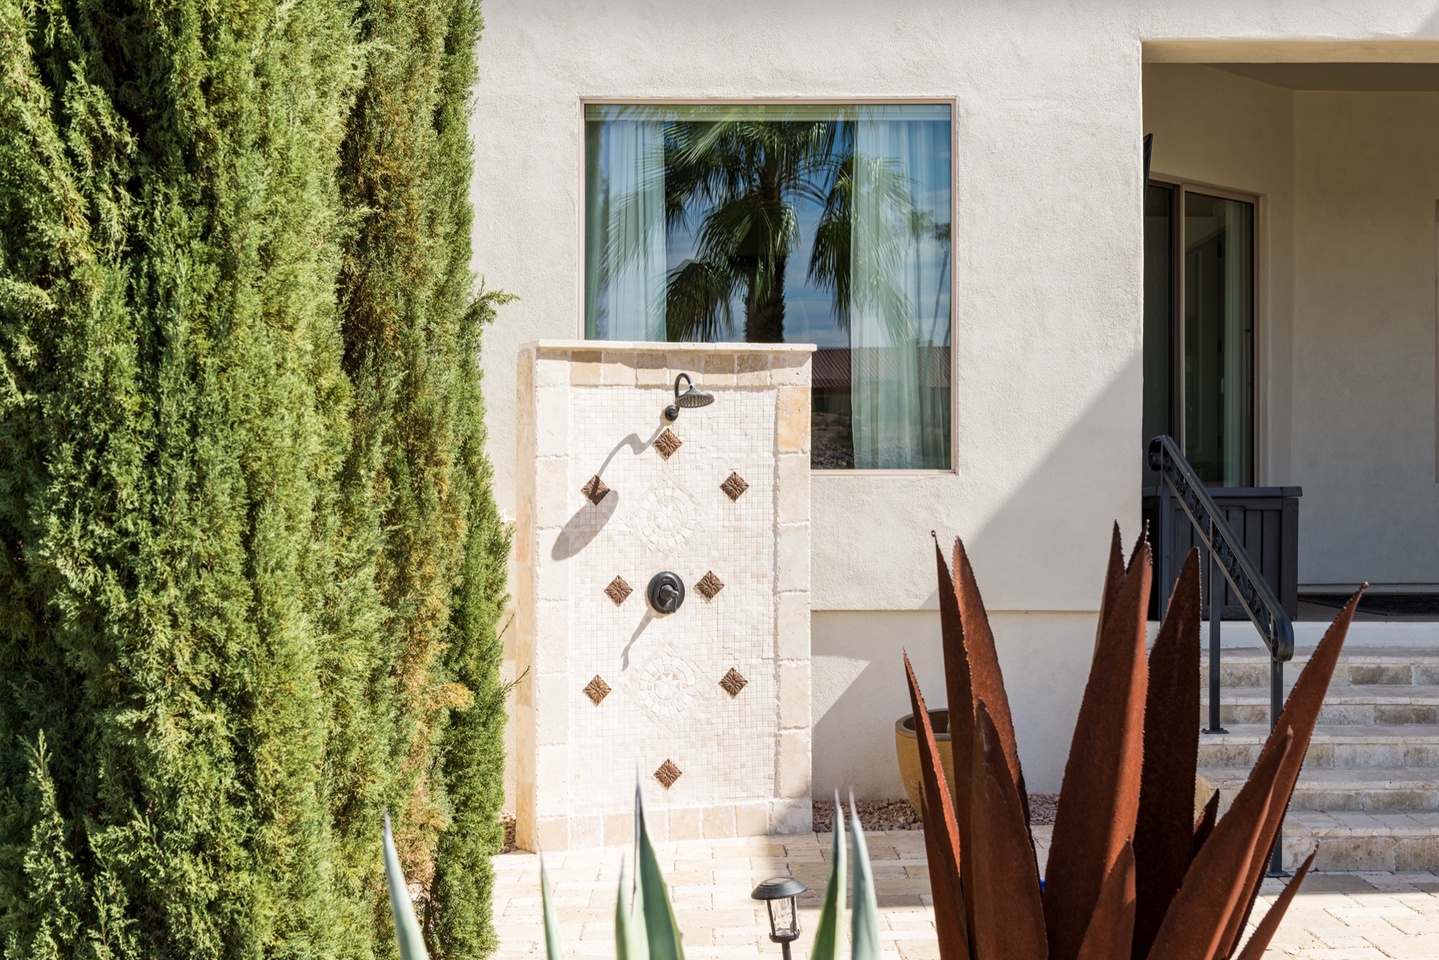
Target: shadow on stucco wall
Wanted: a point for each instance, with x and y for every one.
(857, 682)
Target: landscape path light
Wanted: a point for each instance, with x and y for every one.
(780, 895)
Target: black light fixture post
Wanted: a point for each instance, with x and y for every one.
(780, 895)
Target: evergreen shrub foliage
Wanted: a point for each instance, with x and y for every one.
(250, 567)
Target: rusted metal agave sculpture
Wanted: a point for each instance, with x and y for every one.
(1130, 874)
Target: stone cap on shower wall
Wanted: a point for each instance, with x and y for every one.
(634, 363)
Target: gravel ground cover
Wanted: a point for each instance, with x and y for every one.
(899, 815)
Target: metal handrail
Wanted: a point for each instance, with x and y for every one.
(1227, 556)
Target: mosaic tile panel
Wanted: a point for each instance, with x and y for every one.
(698, 688)
(679, 518)
(666, 516)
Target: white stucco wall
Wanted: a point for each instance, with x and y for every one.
(857, 678)
(1216, 128)
(1366, 183)
(1347, 192)
(1047, 333)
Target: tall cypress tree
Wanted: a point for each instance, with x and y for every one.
(249, 563)
(412, 323)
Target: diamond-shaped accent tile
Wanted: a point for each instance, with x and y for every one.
(618, 590)
(667, 774)
(667, 443)
(594, 490)
(734, 486)
(597, 689)
(709, 585)
(732, 682)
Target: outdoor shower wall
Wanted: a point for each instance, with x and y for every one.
(708, 707)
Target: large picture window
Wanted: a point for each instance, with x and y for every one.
(823, 224)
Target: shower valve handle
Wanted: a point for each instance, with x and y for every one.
(666, 592)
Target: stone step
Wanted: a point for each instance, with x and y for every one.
(1333, 745)
(1360, 666)
(1369, 789)
(1355, 840)
(1381, 703)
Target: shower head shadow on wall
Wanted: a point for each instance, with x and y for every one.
(691, 399)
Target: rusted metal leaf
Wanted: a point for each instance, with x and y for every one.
(1193, 928)
(1099, 799)
(1163, 832)
(1204, 826)
(941, 836)
(1300, 714)
(986, 680)
(1264, 932)
(1112, 927)
(1113, 578)
(961, 720)
(1008, 914)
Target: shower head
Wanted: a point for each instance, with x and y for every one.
(691, 399)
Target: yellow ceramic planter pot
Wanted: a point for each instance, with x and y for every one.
(906, 748)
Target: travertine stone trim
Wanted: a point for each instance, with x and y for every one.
(752, 369)
(605, 685)
(585, 368)
(793, 423)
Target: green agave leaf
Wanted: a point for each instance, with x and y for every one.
(652, 897)
(552, 926)
(629, 945)
(826, 934)
(407, 928)
(864, 918)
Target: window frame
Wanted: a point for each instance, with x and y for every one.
(581, 227)
(1257, 432)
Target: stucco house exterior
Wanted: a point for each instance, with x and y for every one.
(1291, 218)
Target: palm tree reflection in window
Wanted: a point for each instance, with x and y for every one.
(743, 189)
(738, 185)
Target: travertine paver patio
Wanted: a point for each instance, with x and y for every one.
(1338, 916)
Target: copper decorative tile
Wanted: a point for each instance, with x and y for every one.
(618, 590)
(732, 682)
(667, 443)
(734, 486)
(709, 585)
(594, 489)
(597, 690)
(667, 774)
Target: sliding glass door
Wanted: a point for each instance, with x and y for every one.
(1199, 328)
